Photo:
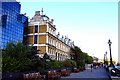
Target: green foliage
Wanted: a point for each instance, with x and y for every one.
(75, 53)
(17, 57)
(60, 64)
(54, 64)
(69, 63)
(73, 63)
(89, 60)
(80, 63)
(80, 57)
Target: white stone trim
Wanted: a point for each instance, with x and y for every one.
(37, 23)
(47, 38)
(33, 39)
(30, 24)
(47, 27)
(37, 45)
(46, 49)
(36, 34)
(33, 23)
(41, 44)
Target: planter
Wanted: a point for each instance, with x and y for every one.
(65, 72)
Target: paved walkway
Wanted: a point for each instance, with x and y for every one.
(96, 74)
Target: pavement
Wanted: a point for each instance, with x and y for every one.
(96, 74)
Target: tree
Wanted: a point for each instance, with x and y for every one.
(80, 57)
(17, 57)
(88, 59)
(69, 63)
(77, 55)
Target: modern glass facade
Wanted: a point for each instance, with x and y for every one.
(12, 23)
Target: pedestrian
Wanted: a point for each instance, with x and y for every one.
(91, 67)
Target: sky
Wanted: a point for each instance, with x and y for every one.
(89, 24)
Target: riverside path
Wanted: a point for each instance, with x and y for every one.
(96, 74)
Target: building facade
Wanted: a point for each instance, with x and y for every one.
(13, 23)
(42, 34)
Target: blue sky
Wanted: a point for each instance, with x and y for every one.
(89, 24)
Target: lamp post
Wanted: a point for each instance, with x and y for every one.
(106, 58)
(109, 42)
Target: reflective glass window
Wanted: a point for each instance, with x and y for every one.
(35, 39)
(36, 28)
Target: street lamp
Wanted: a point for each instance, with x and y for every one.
(106, 58)
(109, 42)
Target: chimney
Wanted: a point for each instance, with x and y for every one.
(37, 13)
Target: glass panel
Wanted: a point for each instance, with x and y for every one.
(36, 28)
(12, 30)
(35, 39)
(4, 19)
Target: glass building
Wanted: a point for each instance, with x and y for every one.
(12, 23)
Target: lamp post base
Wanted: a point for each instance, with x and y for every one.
(112, 65)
